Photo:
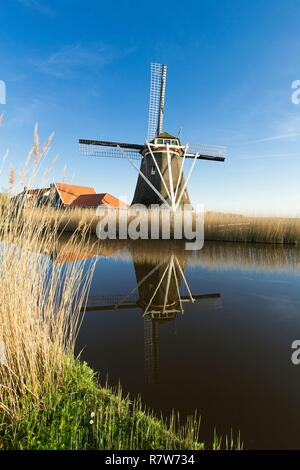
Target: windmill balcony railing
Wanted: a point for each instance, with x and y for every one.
(163, 144)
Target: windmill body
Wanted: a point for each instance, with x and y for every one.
(144, 194)
(162, 157)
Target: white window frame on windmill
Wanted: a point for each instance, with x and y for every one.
(2, 92)
(173, 142)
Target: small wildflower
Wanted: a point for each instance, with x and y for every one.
(91, 421)
(92, 414)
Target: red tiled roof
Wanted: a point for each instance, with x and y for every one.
(88, 200)
(95, 200)
(70, 192)
(110, 200)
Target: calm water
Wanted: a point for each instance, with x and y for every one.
(227, 354)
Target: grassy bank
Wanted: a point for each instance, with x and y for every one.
(49, 399)
(79, 414)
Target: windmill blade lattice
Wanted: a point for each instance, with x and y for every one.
(157, 99)
(208, 150)
(100, 148)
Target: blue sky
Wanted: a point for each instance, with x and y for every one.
(82, 69)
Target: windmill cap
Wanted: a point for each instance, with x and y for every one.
(166, 135)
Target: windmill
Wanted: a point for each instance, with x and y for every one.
(162, 156)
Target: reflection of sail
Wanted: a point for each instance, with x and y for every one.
(159, 298)
(151, 351)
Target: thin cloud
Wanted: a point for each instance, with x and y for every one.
(285, 128)
(279, 137)
(289, 136)
(38, 6)
(274, 155)
(72, 59)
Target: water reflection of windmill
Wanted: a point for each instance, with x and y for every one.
(159, 299)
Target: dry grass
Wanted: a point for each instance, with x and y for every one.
(40, 303)
(39, 308)
(240, 228)
(217, 226)
(72, 219)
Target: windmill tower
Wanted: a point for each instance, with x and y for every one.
(162, 156)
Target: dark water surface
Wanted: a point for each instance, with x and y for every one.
(227, 354)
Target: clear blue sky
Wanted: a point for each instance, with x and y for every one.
(81, 68)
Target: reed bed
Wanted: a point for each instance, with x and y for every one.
(48, 398)
(217, 226)
(246, 229)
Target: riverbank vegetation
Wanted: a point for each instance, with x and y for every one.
(76, 413)
(217, 226)
(48, 398)
(250, 229)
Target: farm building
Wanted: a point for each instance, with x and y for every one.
(63, 195)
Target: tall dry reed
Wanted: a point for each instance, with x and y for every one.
(247, 229)
(217, 226)
(40, 302)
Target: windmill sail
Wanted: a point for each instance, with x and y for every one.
(207, 152)
(104, 148)
(157, 99)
